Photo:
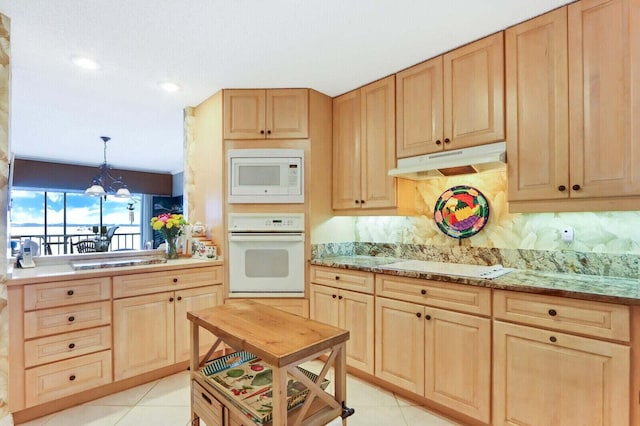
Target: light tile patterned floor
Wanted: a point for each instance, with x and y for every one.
(165, 402)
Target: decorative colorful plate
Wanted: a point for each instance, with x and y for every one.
(461, 211)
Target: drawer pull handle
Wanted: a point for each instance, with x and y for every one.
(72, 345)
(553, 339)
(423, 291)
(337, 277)
(427, 317)
(72, 377)
(71, 318)
(206, 398)
(418, 314)
(552, 312)
(175, 280)
(70, 292)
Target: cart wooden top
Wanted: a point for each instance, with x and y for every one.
(279, 338)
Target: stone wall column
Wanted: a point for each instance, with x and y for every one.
(5, 78)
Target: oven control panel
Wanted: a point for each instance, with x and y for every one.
(265, 222)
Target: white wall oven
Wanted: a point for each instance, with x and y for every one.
(266, 254)
(273, 175)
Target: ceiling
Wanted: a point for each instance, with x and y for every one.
(59, 111)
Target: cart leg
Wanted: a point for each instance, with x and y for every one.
(340, 370)
(279, 396)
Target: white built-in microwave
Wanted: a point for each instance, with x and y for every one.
(270, 175)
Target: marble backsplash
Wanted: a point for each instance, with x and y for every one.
(612, 265)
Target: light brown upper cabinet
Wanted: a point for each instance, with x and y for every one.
(573, 108)
(266, 114)
(364, 147)
(452, 101)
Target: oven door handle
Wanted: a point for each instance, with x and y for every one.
(265, 237)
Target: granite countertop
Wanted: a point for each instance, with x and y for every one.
(578, 286)
(87, 267)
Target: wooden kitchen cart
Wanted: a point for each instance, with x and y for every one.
(283, 341)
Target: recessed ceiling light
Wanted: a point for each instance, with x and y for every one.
(169, 86)
(85, 63)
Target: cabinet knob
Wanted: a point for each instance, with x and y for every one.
(71, 318)
(576, 187)
(427, 317)
(562, 188)
(361, 201)
(334, 296)
(69, 292)
(72, 377)
(447, 140)
(175, 280)
(418, 314)
(337, 277)
(423, 291)
(262, 132)
(171, 299)
(357, 201)
(72, 345)
(438, 142)
(268, 132)
(553, 312)
(339, 297)
(179, 298)
(553, 339)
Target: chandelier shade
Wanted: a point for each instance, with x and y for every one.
(104, 183)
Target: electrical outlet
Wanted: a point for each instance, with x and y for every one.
(567, 234)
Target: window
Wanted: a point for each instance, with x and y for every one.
(57, 220)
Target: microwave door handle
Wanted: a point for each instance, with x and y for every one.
(266, 237)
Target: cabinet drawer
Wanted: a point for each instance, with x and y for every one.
(458, 297)
(64, 378)
(205, 405)
(70, 318)
(154, 282)
(50, 295)
(343, 278)
(597, 319)
(67, 345)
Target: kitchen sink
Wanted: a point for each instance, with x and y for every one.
(454, 269)
(99, 264)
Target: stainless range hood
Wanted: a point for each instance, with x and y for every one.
(455, 162)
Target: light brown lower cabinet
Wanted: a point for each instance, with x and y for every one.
(544, 377)
(442, 355)
(351, 311)
(152, 331)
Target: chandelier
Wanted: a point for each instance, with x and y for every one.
(103, 183)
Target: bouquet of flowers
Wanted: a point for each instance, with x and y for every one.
(171, 226)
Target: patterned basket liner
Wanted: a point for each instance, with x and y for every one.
(249, 387)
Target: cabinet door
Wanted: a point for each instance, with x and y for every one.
(356, 315)
(143, 334)
(537, 108)
(604, 69)
(378, 143)
(399, 356)
(548, 378)
(324, 304)
(193, 300)
(346, 151)
(474, 93)
(244, 114)
(419, 103)
(458, 362)
(287, 114)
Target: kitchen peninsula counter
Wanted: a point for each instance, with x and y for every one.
(578, 286)
(62, 269)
